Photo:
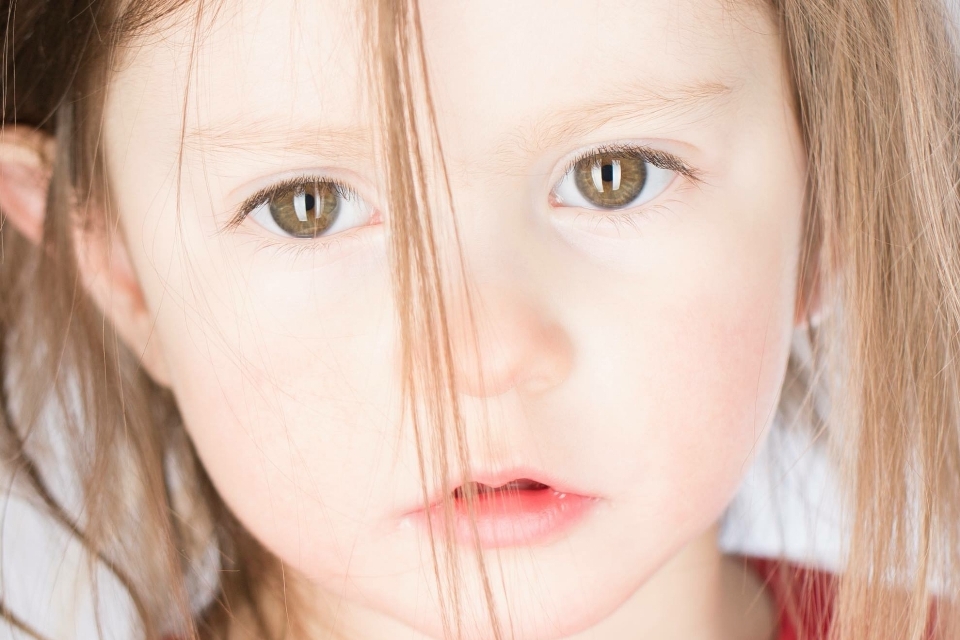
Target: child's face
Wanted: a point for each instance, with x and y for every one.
(631, 354)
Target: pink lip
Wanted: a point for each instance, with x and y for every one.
(511, 517)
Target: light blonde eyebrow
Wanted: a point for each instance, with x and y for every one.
(279, 138)
(636, 101)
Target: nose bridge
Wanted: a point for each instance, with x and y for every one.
(504, 333)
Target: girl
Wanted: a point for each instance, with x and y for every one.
(464, 320)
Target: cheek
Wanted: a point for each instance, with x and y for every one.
(288, 392)
(717, 388)
(724, 361)
(687, 372)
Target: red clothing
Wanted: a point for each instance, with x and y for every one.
(803, 598)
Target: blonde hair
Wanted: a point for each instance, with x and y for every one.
(878, 86)
(877, 83)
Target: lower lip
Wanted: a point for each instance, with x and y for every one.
(513, 518)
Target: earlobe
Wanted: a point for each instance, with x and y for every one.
(26, 156)
(809, 307)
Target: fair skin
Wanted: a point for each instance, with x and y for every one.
(639, 359)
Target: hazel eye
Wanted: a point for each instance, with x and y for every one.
(612, 180)
(309, 208)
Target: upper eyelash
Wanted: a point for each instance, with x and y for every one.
(249, 205)
(657, 158)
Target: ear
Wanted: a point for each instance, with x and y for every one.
(26, 158)
(109, 277)
(26, 161)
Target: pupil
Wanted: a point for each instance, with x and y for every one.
(308, 201)
(606, 174)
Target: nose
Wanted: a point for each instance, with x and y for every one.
(504, 341)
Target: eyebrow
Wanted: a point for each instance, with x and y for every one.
(273, 136)
(637, 101)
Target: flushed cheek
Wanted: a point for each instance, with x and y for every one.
(689, 377)
(717, 393)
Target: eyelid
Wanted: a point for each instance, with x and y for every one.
(343, 190)
(656, 157)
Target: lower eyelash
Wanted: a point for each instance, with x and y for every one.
(628, 218)
(297, 250)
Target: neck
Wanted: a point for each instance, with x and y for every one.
(699, 593)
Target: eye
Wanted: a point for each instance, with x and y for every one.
(307, 208)
(610, 179)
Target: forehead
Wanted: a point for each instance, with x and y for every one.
(289, 75)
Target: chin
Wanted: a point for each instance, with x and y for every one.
(546, 614)
(538, 593)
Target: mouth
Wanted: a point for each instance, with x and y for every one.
(518, 512)
(486, 492)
